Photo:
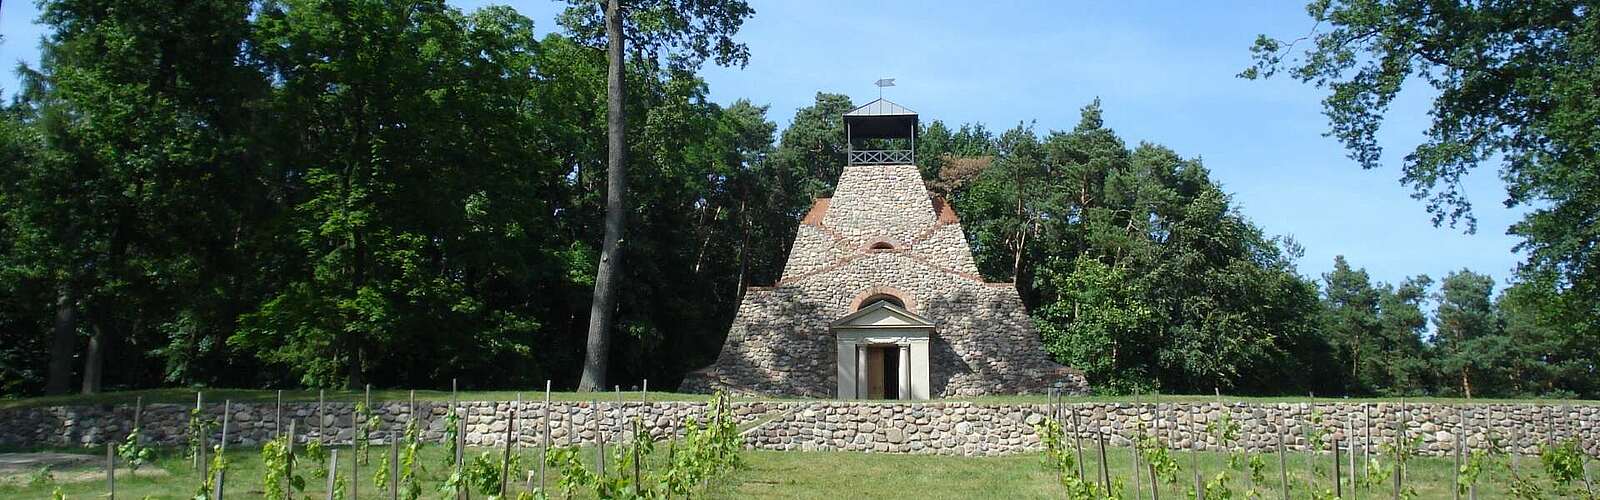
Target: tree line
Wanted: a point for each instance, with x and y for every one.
(320, 193)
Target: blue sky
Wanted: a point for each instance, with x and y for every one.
(1163, 70)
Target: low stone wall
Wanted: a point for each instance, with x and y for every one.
(947, 428)
(251, 424)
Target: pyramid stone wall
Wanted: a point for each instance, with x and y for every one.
(780, 342)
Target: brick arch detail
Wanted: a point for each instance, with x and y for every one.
(905, 298)
(894, 245)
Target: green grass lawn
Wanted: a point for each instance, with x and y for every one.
(772, 474)
(186, 396)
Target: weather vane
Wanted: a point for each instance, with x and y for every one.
(881, 83)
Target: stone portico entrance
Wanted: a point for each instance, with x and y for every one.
(883, 353)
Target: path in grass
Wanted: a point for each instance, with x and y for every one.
(774, 474)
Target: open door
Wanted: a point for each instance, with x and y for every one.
(883, 372)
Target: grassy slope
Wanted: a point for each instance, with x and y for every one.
(186, 396)
(821, 475)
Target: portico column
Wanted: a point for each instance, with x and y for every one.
(905, 372)
(861, 372)
(919, 370)
(846, 369)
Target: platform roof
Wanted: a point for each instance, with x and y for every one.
(881, 119)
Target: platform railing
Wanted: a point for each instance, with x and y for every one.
(882, 157)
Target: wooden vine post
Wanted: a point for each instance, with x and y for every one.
(277, 420)
(111, 471)
(599, 439)
(1472, 489)
(1077, 440)
(1155, 486)
(1455, 489)
(222, 449)
(1311, 449)
(1194, 459)
(1105, 475)
(636, 459)
(1400, 450)
(394, 469)
(505, 461)
(461, 437)
(1138, 427)
(358, 451)
(1338, 475)
(288, 465)
(366, 422)
(200, 435)
(138, 413)
(1350, 432)
(322, 417)
(544, 445)
(616, 418)
(333, 470)
(1283, 462)
(1366, 443)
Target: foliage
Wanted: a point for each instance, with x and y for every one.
(134, 452)
(573, 475)
(482, 475)
(1468, 332)
(322, 193)
(1140, 268)
(1566, 465)
(708, 451)
(318, 452)
(457, 480)
(214, 472)
(1316, 440)
(1226, 431)
(1512, 83)
(369, 425)
(278, 465)
(1469, 472)
(1061, 461)
(199, 429)
(1155, 455)
(1379, 473)
(410, 468)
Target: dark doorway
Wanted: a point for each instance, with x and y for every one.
(883, 372)
(891, 372)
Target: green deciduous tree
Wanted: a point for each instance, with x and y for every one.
(144, 107)
(1515, 87)
(413, 131)
(681, 34)
(1555, 348)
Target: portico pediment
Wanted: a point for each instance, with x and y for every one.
(883, 315)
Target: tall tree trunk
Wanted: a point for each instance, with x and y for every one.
(94, 359)
(63, 339)
(744, 244)
(357, 379)
(605, 293)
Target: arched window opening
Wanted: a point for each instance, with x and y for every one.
(883, 245)
(882, 297)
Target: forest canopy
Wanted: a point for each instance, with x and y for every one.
(328, 194)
